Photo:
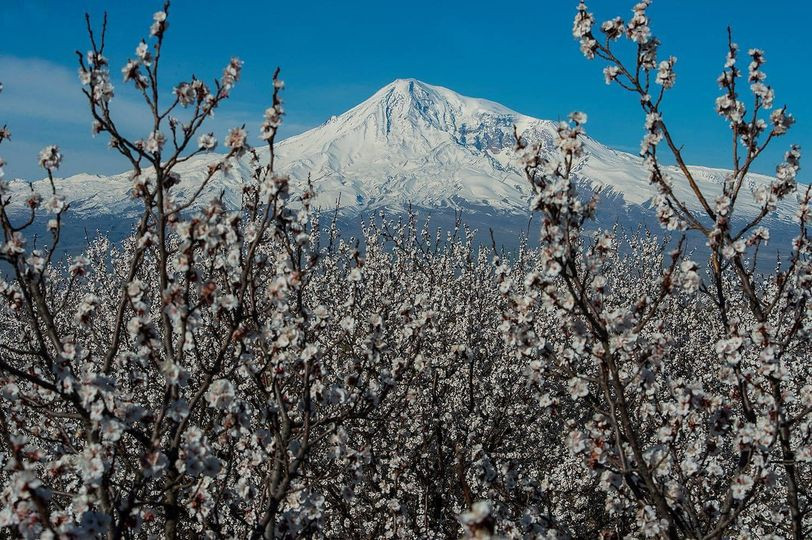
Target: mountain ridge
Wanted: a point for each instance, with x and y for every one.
(413, 144)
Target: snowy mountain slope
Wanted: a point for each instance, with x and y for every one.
(414, 143)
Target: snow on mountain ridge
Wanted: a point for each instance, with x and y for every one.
(412, 143)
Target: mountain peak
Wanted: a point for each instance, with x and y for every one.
(408, 109)
(424, 96)
(401, 94)
(405, 84)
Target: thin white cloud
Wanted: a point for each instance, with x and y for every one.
(37, 89)
(43, 104)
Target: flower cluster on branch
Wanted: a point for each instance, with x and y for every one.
(248, 372)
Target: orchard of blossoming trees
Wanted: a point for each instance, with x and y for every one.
(249, 373)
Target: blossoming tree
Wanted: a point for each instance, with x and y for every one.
(248, 372)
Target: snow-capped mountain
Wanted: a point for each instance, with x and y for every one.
(419, 144)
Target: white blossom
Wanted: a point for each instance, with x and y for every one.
(50, 158)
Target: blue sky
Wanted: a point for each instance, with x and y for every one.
(335, 54)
